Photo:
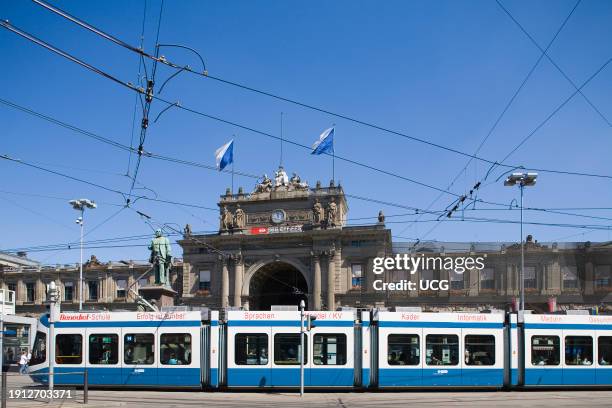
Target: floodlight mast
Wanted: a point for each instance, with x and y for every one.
(80, 205)
(522, 180)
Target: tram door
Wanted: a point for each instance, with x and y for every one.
(140, 360)
(104, 350)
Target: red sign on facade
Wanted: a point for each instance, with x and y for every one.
(259, 230)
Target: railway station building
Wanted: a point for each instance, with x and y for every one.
(285, 241)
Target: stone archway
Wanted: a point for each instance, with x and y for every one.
(277, 283)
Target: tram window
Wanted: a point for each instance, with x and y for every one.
(139, 348)
(251, 349)
(329, 349)
(403, 349)
(479, 350)
(545, 350)
(604, 347)
(103, 349)
(39, 351)
(287, 348)
(578, 350)
(175, 348)
(68, 349)
(442, 349)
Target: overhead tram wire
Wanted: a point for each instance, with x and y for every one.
(205, 74)
(114, 143)
(62, 53)
(561, 71)
(147, 107)
(139, 90)
(505, 109)
(137, 96)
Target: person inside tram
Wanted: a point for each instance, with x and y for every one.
(129, 355)
(106, 355)
(393, 358)
(172, 360)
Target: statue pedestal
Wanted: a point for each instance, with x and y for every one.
(162, 295)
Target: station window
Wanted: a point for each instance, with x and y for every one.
(578, 350)
(204, 283)
(287, 348)
(103, 349)
(121, 287)
(329, 349)
(251, 349)
(29, 292)
(68, 349)
(603, 275)
(570, 277)
(139, 348)
(175, 348)
(479, 350)
(442, 349)
(487, 278)
(545, 350)
(403, 349)
(92, 287)
(12, 286)
(531, 281)
(39, 350)
(604, 347)
(457, 280)
(356, 276)
(68, 291)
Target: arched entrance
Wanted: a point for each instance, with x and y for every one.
(277, 283)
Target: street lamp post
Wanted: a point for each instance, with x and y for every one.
(53, 298)
(523, 180)
(80, 205)
(301, 353)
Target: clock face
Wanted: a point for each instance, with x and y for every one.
(278, 216)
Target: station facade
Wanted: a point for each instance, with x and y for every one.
(286, 241)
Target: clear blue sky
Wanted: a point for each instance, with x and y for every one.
(441, 71)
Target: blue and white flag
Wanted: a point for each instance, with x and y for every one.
(325, 144)
(224, 155)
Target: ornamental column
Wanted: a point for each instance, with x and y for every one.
(224, 283)
(331, 280)
(316, 281)
(238, 273)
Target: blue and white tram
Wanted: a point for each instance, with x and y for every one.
(566, 350)
(263, 347)
(125, 348)
(439, 349)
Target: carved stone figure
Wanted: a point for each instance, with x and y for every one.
(381, 217)
(280, 178)
(161, 258)
(318, 214)
(332, 213)
(227, 219)
(265, 186)
(239, 218)
(296, 183)
(187, 230)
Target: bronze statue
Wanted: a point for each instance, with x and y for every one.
(318, 214)
(187, 230)
(332, 213)
(381, 217)
(239, 218)
(161, 258)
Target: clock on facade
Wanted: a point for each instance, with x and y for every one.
(278, 216)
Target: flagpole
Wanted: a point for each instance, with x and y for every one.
(281, 139)
(233, 138)
(334, 154)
